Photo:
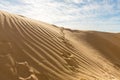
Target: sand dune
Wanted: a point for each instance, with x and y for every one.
(34, 50)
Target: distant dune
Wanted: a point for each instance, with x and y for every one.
(34, 50)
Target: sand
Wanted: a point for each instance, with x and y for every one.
(34, 50)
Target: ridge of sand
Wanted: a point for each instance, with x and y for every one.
(57, 53)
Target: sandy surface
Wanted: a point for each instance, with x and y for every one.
(34, 50)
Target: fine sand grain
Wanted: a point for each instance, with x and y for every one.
(54, 53)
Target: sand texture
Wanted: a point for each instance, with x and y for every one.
(34, 50)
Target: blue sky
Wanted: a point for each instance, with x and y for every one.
(101, 15)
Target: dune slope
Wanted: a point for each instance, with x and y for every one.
(54, 53)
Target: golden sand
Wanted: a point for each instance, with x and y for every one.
(56, 53)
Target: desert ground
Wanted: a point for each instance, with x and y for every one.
(35, 50)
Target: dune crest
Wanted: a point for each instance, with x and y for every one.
(53, 53)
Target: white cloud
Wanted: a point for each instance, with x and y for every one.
(77, 14)
(74, 1)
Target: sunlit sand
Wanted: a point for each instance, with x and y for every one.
(34, 50)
